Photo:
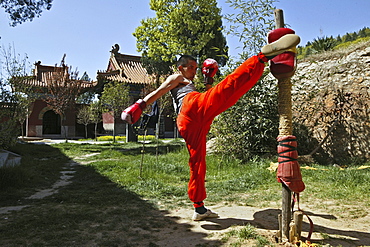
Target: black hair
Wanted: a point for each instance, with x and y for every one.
(184, 60)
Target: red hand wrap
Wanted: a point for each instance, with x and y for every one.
(133, 113)
(289, 171)
(210, 67)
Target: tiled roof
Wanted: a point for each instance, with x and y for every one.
(43, 74)
(126, 68)
(36, 83)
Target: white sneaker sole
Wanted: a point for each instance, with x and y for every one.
(208, 214)
(281, 45)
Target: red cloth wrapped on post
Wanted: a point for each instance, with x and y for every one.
(283, 65)
(289, 171)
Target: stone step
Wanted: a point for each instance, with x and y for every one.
(9, 159)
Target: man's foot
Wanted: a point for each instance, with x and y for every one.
(285, 43)
(208, 214)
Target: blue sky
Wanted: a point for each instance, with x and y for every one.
(86, 30)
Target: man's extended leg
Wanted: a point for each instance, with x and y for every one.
(226, 93)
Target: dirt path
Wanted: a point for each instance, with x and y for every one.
(65, 179)
(328, 229)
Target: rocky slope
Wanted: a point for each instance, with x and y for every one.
(331, 98)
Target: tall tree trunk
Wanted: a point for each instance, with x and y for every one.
(95, 131)
(64, 127)
(114, 128)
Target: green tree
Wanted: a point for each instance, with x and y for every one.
(22, 109)
(250, 127)
(88, 96)
(364, 32)
(96, 115)
(20, 11)
(115, 97)
(14, 71)
(251, 23)
(339, 39)
(323, 44)
(347, 37)
(83, 117)
(8, 127)
(85, 77)
(192, 27)
(90, 114)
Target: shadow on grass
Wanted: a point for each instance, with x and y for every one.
(91, 211)
(130, 149)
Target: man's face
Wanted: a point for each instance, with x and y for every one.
(189, 70)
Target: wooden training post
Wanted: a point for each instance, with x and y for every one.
(289, 174)
(285, 129)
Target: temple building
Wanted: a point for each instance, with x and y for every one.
(129, 69)
(43, 122)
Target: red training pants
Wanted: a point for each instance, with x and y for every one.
(198, 111)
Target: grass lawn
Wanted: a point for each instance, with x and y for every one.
(119, 193)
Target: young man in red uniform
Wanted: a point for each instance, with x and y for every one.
(196, 111)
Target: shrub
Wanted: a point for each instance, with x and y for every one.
(9, 130)
(250, 127)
